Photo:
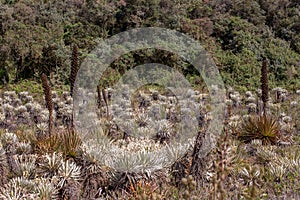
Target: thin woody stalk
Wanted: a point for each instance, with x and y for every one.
(106, 102)
(264, 85)
(99, 99)
(74, 68)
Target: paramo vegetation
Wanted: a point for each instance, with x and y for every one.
(256, 47)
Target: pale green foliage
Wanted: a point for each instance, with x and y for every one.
(50, 164)
(140, 161)
(17, 189)
(68, 170)
(46, 190)
(26, 165)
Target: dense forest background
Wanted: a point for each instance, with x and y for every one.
(37, 36)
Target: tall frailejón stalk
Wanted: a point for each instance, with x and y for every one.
(264, 85)
(48, 99)
(99, 99)
(198, 163)
(74, 68)
(104, 95)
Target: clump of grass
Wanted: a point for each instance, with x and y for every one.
(71, 144)
(47, 145)
(263, 127)
(68, 143)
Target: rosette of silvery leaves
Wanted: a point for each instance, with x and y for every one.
(142, 153)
